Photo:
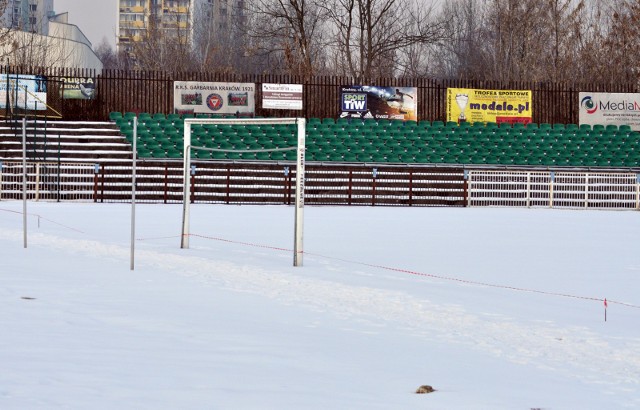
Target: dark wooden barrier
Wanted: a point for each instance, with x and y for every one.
(253, 183)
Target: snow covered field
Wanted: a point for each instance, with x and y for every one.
(494, 308)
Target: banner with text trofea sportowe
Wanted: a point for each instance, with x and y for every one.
(471, 105)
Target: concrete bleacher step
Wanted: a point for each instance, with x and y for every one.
(69, 141)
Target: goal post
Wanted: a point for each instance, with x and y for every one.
(300, 164)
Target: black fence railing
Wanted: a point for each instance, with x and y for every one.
(152, 92)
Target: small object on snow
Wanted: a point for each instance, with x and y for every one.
(424, 389)
(27, 298)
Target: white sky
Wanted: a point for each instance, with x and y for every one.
(96, 18)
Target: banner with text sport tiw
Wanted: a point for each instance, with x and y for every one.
(610, 108)
(471, 105)
(380, 103)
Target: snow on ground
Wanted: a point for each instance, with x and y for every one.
(495, 308)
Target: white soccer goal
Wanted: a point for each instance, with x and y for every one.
(300, 159)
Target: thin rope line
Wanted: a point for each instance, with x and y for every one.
(43, 218)
(407, 271)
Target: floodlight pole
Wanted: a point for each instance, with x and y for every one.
(186, 198)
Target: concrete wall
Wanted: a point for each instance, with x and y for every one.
(48, 51)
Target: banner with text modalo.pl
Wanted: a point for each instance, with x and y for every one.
(471, 105)
(610, 108)
(389, 103)
(196, 97)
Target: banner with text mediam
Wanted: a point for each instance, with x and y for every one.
(471, 105)
(610, 108)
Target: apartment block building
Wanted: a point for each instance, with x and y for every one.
(171, 18)
(28, 15)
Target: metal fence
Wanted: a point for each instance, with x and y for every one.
(551, 189)
(48, 181)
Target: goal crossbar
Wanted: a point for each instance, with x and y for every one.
(300, 163)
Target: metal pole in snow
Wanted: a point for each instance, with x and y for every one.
(24, 181)
(133, 193)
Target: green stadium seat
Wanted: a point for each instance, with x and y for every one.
(158, 152)
(247, 155)
(115, 115)
(350, 157)
(199, 154)
(491, 126)
(144, 116)
(263, 156)
(218, 155)
(424, 125)
(174, 153)
(143, 152)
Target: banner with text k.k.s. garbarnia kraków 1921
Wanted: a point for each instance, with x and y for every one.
(471, 105)
(199, 97)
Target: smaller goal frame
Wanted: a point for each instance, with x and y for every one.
(300, 164)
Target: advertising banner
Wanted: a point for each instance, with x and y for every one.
(471, 105)
(23, 91)
(195, 97)
(392, 103)
(610, 108)
(282, 96)
(78, 88)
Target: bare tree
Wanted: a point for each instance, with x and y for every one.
(369, 36)
(219, 37)
(110, 58)
(4, 31)
(288, 34)
(513, 40)
(166, 43)
(462, 52)
(622, 43)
